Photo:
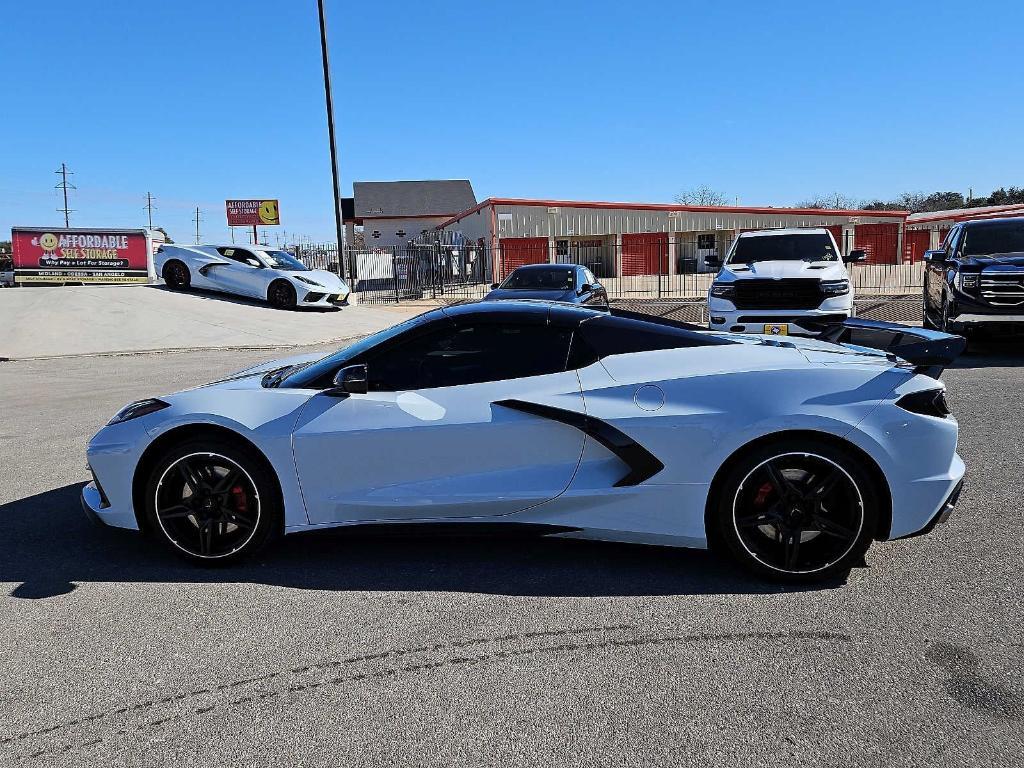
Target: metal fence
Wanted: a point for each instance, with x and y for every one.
(642, 269)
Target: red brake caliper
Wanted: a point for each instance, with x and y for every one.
(762, 495)
(241, 500)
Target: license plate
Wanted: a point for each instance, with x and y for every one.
(776, 329)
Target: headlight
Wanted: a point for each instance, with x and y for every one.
(138, 408)
(723, 290)
(835, 287)
(307, 281)
(968, 281)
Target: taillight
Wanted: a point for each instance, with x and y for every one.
(928, 402)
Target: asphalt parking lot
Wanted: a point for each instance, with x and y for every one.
(341, 651)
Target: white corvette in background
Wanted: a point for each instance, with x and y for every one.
(791, 456)
(257, 272)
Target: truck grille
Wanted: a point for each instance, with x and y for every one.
(1003, 290)
(794, 293)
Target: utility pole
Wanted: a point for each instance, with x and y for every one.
(65, 185)
(149, 208)
(330, 132)
(197, 219)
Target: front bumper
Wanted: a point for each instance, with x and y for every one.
(723, 316)
(92, 503)
(321, 299)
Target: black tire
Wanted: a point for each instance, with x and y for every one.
(926, 320)
(759, 520)
(281, 294)
(212, 501)
(177, 276)
(944, 317)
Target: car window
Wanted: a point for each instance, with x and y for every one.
(954, 241)
(555, 278)
(470, 354)
(994, 239)
(589, 276)
(809, 246)
(235, 254)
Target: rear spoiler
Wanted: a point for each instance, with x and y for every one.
(928, 351)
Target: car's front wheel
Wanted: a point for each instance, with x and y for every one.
(281, 295)
(797, 510)
(177, 276)
(212, 501)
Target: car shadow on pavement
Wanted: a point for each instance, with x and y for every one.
(1005, 352)
(49, 546)
(231, 298)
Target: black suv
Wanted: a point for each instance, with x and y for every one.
(976, 279)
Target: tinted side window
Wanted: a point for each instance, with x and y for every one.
(470, 354)
(953, 241)
(235, 254)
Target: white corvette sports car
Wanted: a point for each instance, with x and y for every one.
(255, 271)
(791, 455)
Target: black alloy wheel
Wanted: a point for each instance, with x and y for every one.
(281, 295)
(799, 515)
(211, 503)
(177, 276)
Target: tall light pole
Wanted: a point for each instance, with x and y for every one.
(330, 132)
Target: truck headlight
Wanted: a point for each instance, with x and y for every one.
(835, 287)
(723, 290)
(968, 281)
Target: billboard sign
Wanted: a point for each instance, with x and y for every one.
(253, 213)
(80, 255)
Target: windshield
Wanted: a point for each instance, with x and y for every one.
(809, 247)
(553, 279)
(306, 374)
(284, 261)
(992, 239)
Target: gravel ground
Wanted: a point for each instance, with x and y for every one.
(342, 651)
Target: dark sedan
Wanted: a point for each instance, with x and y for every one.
(570, 283)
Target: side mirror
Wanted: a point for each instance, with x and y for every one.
(855, 256)
(585, 288)
(493, 286)
(937, 256)
(350, 380)
(254, 263)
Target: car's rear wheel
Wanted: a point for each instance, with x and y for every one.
(797, 510)
(281, 294)
(177, 276)
(212, 501)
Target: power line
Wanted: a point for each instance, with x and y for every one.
(65, 185)
(198, 218)
(149, 208)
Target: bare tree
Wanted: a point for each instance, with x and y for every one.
(833, 201)
(702, 195)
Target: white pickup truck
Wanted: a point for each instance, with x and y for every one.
(782, 281)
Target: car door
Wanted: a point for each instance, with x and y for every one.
(429, 441)
(244, 274)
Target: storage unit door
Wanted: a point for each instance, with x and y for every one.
(645, 254)
(915, 243)
(517, 251)
(878, 241)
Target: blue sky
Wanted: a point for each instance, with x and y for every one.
(768, 102)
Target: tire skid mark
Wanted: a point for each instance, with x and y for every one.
(637, 642)
(85, 720)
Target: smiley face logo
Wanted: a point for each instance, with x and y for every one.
(48, 242)
(269, 213)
